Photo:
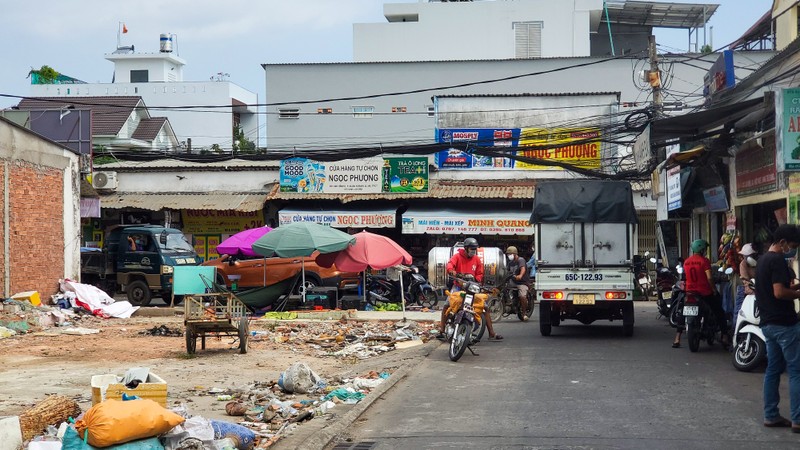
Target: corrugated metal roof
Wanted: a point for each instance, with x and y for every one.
(172, 164)
(532, 94)
(220, 201)
(439, 189)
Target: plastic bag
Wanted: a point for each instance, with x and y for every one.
(299, 378)
(114, 422)
(243, 437)
(71, 441)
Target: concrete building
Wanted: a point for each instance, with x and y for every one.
(39, 212)
(158, 79)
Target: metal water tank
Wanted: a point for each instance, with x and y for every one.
(166, 43)
(494, 265)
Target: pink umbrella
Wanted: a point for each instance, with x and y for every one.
(241, 242)
(370, 250)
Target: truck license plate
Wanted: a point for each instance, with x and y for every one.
(690, 310)
(583, 299)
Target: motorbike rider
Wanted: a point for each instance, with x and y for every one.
(519, 278)
(467, 261)
(700, 282)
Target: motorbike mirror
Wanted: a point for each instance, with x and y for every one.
(679, 269)
(647, 253)
(653, 260)
(729, 271)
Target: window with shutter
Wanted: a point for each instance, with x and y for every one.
(528, 39)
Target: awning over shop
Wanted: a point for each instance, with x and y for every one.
(449, 221)
(356, 218)
(690, 125)
(224, 201)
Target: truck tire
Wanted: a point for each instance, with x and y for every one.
(627, 319)
(545, 328)
(138, 293)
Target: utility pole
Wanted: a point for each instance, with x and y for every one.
(655, 77)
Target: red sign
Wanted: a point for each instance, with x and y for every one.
(755, 170)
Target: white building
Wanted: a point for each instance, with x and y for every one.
(158, 79)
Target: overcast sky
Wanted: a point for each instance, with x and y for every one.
(231, 36)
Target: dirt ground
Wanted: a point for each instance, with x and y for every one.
(46, 362)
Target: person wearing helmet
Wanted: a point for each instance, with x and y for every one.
(467, 262)
(519, 277)
(700, 282)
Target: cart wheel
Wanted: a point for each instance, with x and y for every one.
(191, 341)
(244, 332)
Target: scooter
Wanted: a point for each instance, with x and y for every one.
(642, 276)
(418, 289)
(669, 287)
(749, 343)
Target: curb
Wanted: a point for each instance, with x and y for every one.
(320, 440)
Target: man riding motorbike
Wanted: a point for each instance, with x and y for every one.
(467, 261)
(518, 269)
(700, 282)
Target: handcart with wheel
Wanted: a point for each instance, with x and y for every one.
(216, 314)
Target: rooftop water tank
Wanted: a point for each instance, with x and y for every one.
(166, 43)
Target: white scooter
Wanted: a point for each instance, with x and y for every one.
(749, 344)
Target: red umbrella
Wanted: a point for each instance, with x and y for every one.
(242, 242)
(370, 250)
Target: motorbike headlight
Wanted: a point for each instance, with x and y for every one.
(473, 288)
(167, 270)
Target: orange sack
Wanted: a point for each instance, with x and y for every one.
(114, 422)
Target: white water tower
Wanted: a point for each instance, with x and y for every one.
(166, 43)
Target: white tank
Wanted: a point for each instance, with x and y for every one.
(494, 265)
(166, 43)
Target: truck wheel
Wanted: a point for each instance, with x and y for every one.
(138, 293)
(544, 318)
(627, 319)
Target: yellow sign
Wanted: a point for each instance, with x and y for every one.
(580, 147)
(207, 221)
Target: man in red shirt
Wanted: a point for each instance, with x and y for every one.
(699, 281)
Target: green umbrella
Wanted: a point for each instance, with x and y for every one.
(302, 239)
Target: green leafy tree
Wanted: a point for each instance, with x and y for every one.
(240, 142)
(45, 75)
(706, 49)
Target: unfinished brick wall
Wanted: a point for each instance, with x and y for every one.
(36, 238)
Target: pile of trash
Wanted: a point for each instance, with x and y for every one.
(346, 338)
(266, 411)
(162, 330)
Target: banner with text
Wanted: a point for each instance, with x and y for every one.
(575, 146)
(209, 221)
(501, 223)
(341, 219)
(355, 176)
(787, 128)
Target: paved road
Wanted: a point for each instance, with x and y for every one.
(583, 387)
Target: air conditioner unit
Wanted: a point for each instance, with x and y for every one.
(104, 180)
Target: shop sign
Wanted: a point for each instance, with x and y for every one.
(642, 154)
(794, 198)
(466, 225)
(355, 176)
(720, 76)
(716, 200)
(756, 171)
(580, 147)
(787, 132)
(673, 181)
(209, 221)
(341, 219)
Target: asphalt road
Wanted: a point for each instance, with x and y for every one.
(582, 387)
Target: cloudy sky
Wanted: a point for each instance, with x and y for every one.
(233, 36)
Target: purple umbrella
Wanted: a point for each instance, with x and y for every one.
(241, 242)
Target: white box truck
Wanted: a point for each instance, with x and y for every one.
(585, 242)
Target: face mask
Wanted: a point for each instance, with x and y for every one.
(511, 257)
(751, 261)
(790, 254)
(471, 252)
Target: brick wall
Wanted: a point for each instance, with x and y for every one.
(36, 238)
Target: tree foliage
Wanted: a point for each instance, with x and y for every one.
(46, 74)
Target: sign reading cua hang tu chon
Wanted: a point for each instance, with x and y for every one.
(209, 221)
(376, 219)
(787, 124)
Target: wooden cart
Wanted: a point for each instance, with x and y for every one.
(216, 313)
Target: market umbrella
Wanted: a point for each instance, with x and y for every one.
(370, 250)
(242, 242)
(302, 239)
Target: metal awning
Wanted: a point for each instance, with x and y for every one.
(693, 124)
(220, 201)
(348, 218)
(507, 222)
(662, 15)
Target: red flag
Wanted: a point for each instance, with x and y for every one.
(124, 29)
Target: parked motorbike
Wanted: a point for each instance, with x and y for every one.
(642, 276)
(506, 301)
(466, 320)
(418, 289)
(668, 284)
(749, 343)
(381, 289)
(701, 324)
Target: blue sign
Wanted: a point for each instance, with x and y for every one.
(479, 137)
(720, 76)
